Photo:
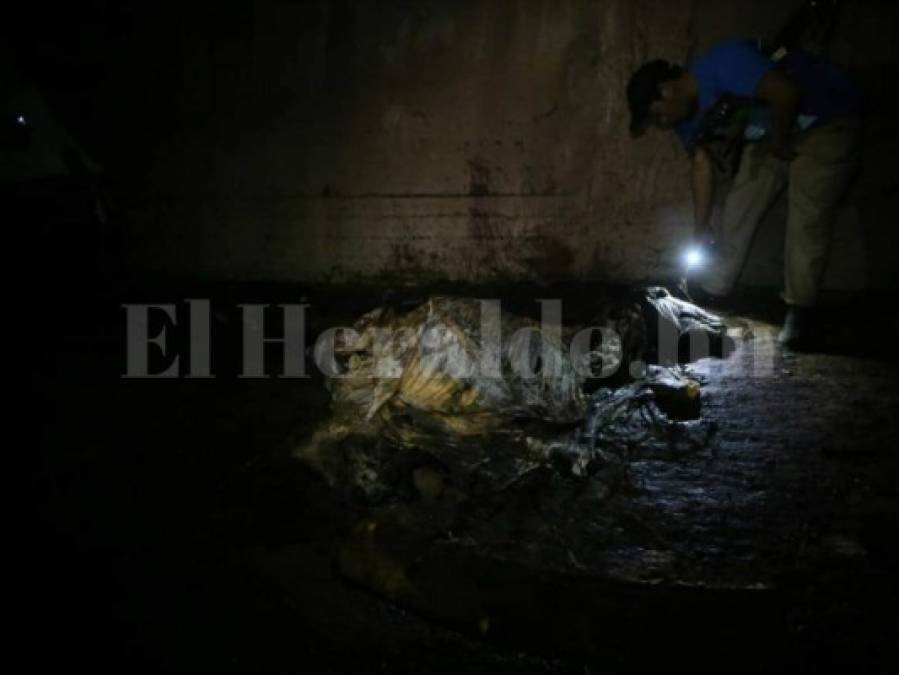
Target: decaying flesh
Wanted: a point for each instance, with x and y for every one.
(415, 383)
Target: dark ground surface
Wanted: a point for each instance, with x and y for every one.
(175, 534)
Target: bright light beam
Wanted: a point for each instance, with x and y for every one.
(693, 257)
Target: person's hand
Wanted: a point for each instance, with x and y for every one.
(703, 238)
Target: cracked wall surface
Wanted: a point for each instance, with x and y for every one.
(406, 141)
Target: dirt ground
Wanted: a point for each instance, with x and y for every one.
(176, 534)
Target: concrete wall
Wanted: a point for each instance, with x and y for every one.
(477, 140)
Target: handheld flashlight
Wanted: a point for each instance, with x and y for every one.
(693, 257)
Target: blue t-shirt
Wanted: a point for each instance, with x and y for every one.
(737, 67)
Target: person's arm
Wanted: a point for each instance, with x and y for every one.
(703, 192)
(779, 92)
(740, 68)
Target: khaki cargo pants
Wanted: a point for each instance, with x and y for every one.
(827, 158)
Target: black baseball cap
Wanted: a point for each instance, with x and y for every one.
(643, 89)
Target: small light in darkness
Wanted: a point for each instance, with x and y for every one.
(693, 258)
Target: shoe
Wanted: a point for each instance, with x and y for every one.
(798, 332)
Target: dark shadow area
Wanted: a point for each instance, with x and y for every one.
(175, 533)
(377, 148)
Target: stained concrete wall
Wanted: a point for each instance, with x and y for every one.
(474, 140)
